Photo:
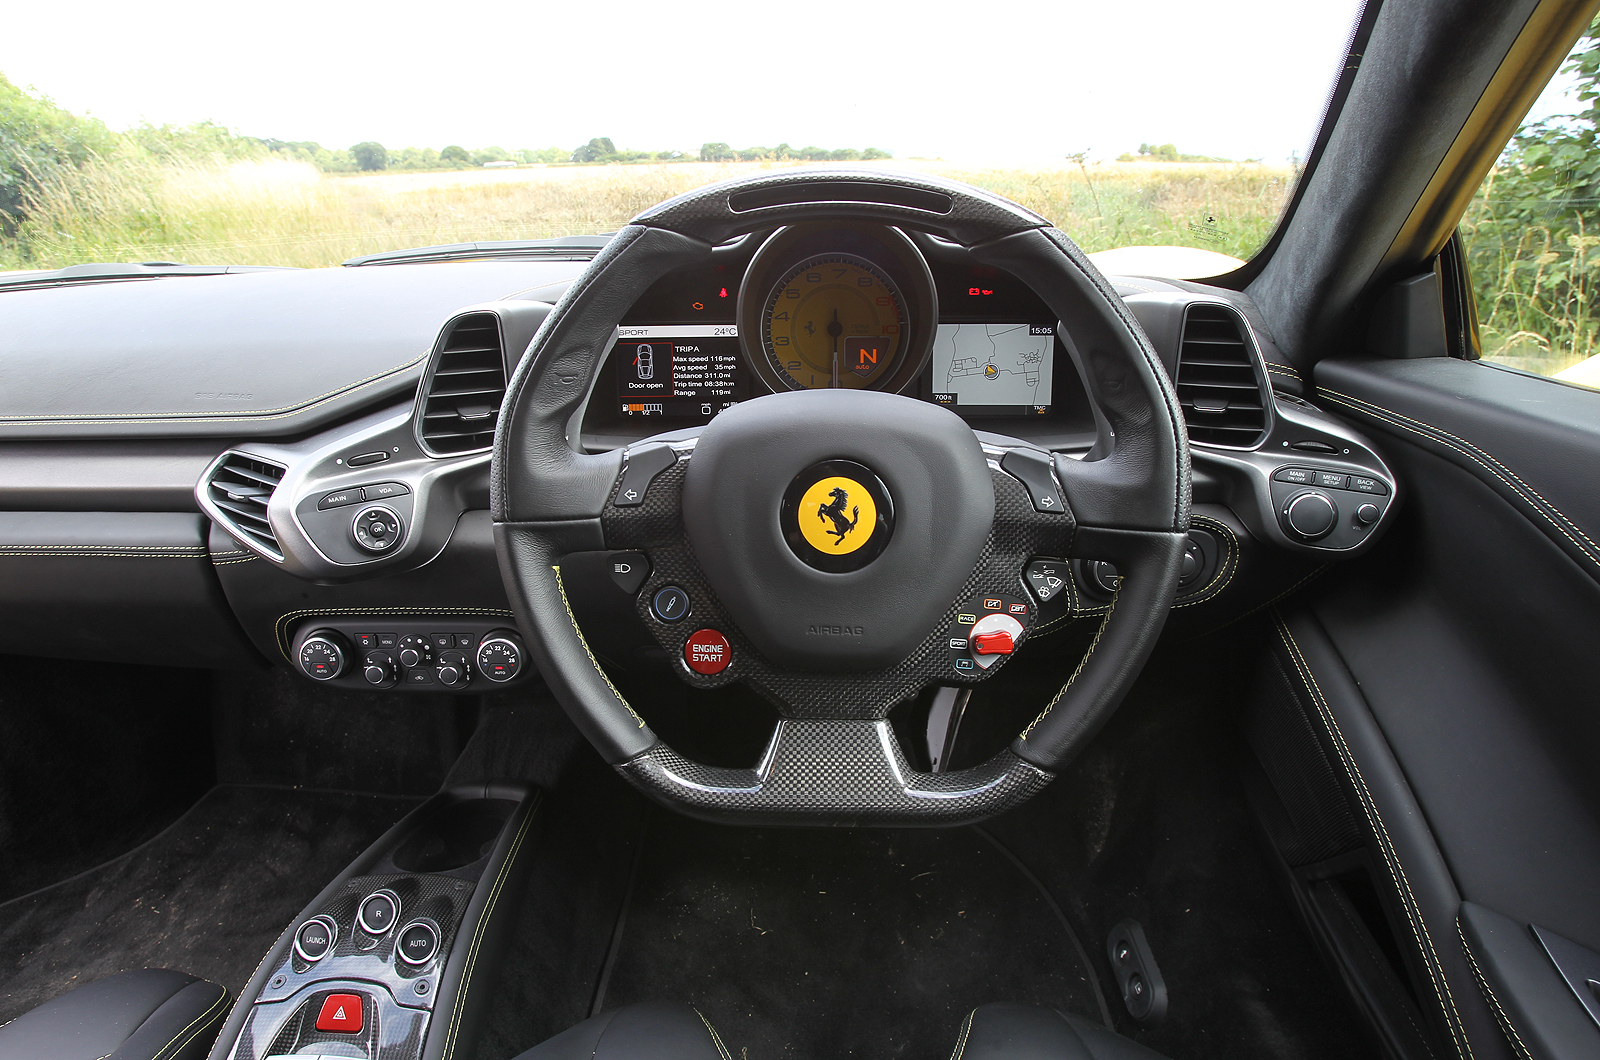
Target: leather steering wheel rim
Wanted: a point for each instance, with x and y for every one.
(1130, 507)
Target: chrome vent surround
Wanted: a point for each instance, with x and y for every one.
(239, 488)
(461, 402)
(1218, 384)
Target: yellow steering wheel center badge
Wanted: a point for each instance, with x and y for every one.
(837, 515)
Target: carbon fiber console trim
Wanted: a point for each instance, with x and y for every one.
(656, 527)
(842, 773)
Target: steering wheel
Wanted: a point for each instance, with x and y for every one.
(836, 643)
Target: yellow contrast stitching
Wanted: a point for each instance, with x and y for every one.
(483, 923)
(230, 416)
(1500, 1014)
(284, 620)
(1483, 459)
(1081, 664)
(1230, 563)
(715, 1037)
(961, 1042)
(207, 1016)
(1441, 984)
(562, 588)
(101, 554)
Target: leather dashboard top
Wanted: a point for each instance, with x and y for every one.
(236, 355)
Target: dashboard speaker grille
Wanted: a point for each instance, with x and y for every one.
(240, 488)
(465, 388)
(1218, 385)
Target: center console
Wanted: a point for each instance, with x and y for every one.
(376, 967)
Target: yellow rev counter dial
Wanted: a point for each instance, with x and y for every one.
(833, 321)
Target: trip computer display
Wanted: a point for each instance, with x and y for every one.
(994, 368)
(678, 371)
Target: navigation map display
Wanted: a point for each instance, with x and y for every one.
(678, 370)
(1000, 369)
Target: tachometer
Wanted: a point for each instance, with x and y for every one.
(837, 304)
(834, 320)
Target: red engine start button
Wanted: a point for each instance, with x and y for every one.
(707, 652)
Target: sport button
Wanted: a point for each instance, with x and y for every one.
(341, 1012)
(707, 652)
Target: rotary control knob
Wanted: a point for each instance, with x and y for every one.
(1310, 515)
(324, 655)
(379, 669)
(500, 655)
(453, 670)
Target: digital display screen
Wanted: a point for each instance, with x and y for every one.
(691, 371)
(994, 368)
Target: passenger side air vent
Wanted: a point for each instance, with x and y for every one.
(1218, 387)
(239, 489)
(462, 401)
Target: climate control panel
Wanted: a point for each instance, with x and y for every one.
(425, 655)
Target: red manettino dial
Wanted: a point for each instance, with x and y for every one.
(997, 643)
(707, 652)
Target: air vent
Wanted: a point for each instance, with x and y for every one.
(464, 392)
(1217, 382)
(239, 489)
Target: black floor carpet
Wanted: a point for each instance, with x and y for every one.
(820, 943)
(207, 896)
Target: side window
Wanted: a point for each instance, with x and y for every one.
(1532, 233)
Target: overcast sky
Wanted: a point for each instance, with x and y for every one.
(983, 79)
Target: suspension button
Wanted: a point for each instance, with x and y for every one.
(707, 652)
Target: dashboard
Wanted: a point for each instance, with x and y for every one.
(292, 468)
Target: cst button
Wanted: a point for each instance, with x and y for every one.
(342, 1013)
(670, 603)
(707, 652)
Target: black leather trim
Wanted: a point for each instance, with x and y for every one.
(1533, 441)
(154, 1014)
(653, 1030)
(140, 357)
(1127, 634)
(1535, 1006)
(87, 585)
(1024, 1032)
(1418, 881)
(1136, 486)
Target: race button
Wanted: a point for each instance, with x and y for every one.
(342, 1013)
(707, 652)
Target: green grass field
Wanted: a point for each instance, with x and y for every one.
(286, 213)
(289, 213)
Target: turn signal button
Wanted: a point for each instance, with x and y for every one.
(997, 643)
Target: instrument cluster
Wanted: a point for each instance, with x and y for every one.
(836, 305)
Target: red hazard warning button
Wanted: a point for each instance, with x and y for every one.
(707, 652)
(340, 1012)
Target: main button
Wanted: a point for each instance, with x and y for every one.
(378, 912)
(670, 604)
(1032, 469)
(644, 464)
(315, 938)
(340, 498)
